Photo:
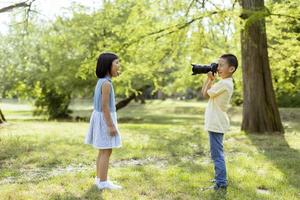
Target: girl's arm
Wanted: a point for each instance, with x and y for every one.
(105, 108)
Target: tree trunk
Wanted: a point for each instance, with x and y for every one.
(121, 104)
(260, 111)
(2, 118)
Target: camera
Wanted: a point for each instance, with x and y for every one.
(203, 69)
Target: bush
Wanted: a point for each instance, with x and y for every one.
(54, 103)
(288, 100)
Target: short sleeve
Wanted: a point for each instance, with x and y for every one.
(217, 89)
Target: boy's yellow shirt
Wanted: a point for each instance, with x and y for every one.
(216, 118)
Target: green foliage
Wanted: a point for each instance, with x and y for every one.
(284, 51)
(53, 102)
(156, 42)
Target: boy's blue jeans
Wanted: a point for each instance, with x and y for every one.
(217, 155)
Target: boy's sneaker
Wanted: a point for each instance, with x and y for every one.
(219, 187)
(216, 187)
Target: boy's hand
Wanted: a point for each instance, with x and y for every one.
(210, 76)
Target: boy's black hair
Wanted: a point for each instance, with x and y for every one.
(104, 64)
(231, 60)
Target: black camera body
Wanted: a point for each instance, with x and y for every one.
(203, 69)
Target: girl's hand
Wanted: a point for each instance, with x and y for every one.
(112, 131)
(210, 76)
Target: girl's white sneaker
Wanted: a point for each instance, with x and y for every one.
(107, 185)
(97, 180)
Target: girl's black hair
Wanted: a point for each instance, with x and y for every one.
(104, 64)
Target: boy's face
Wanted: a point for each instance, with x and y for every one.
(224, 69)
(115, 68)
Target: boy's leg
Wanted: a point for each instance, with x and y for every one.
(217, 155)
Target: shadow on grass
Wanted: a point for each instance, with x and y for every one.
(277, 150)
(234, 191)
(93, 193)
(218, 195)
(183, 149)
(16, 151)
(158, 119)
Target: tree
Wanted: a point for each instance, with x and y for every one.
(27, 5)
(260, 111)
(24, 4)
(284, 50)
(55, 62)
(2, 118)
(150, 46)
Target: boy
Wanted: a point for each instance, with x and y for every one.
(216, 119)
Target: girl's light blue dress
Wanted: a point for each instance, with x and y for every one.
(98, 134)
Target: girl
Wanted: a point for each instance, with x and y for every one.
(103, 133)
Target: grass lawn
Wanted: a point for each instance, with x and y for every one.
(165, 155)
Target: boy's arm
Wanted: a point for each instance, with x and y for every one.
(207, 85)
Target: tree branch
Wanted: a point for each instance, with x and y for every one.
(121, 104)
(287, 16)
(27, 13)
(172, 29)
(189, 8)
(27, 5)
(2, 118)
(184, 25)
(14, 6)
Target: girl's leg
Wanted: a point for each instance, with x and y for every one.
(102, 163)
(98, 164)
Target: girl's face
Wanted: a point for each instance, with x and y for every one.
(115, 68)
